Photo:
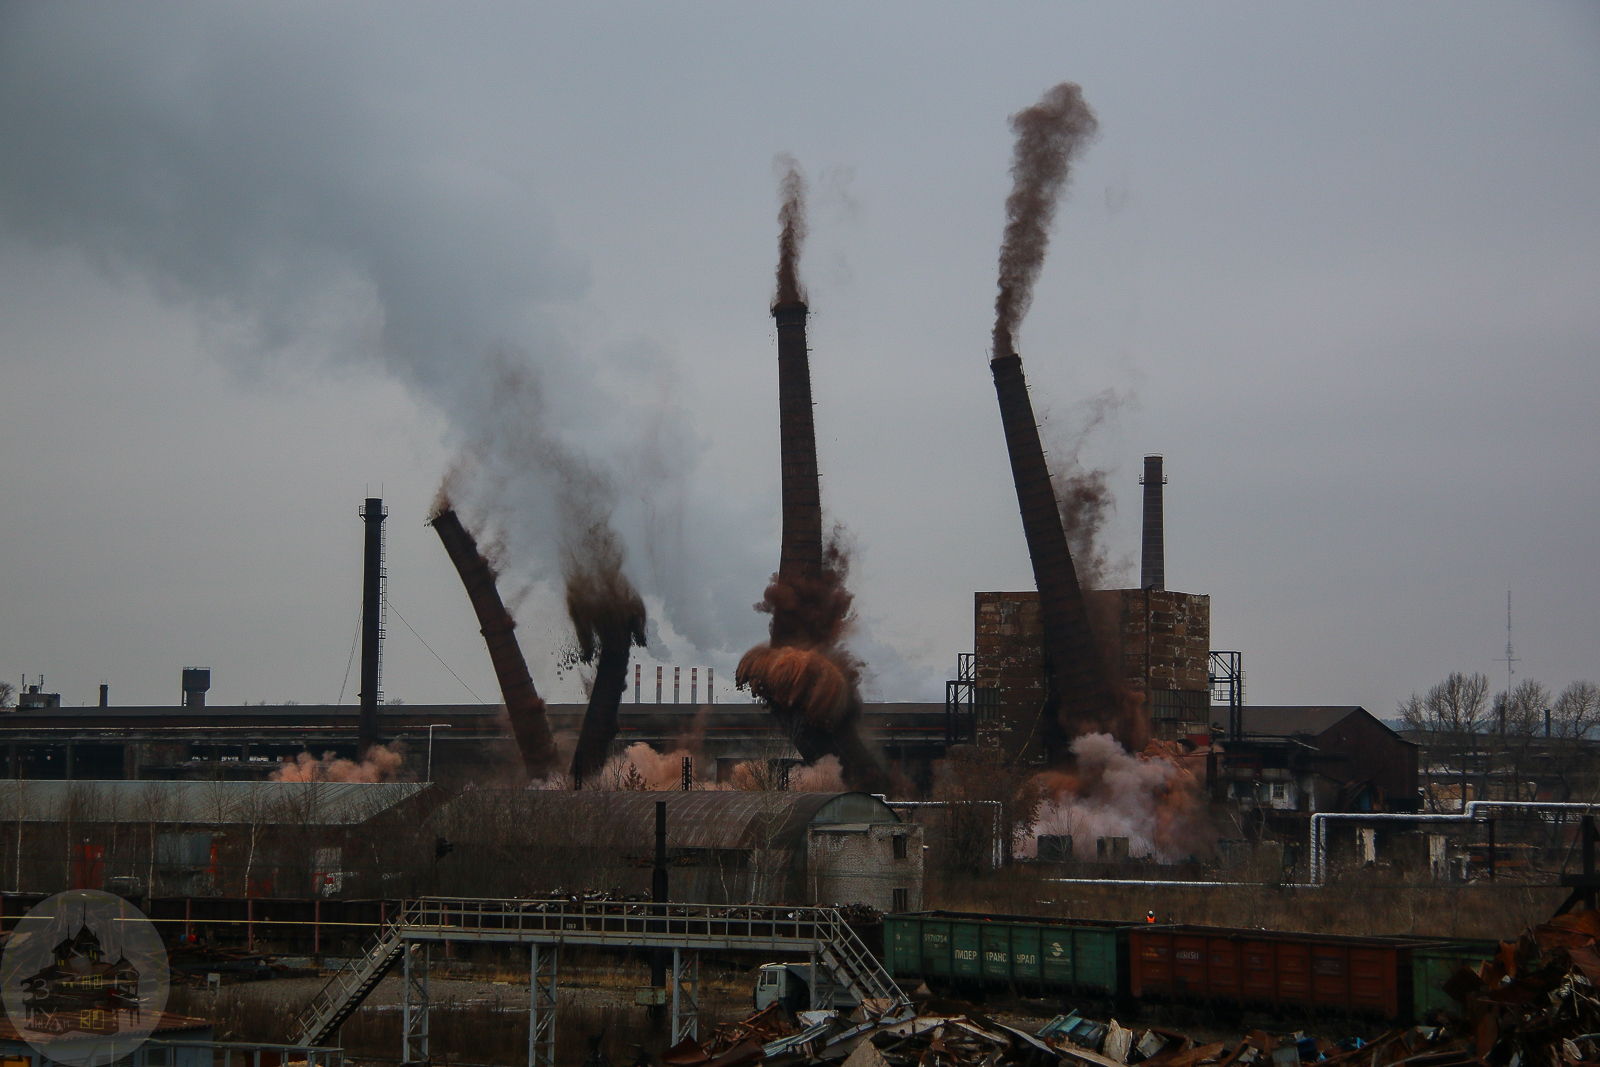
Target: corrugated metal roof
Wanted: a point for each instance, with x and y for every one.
(202, 803)
(706, 818)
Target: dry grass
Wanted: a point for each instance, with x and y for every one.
(594, 997)
(1476, 911)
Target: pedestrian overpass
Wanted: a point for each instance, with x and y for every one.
(545, 926)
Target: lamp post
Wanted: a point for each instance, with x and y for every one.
(432, 726)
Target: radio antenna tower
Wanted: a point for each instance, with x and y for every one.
(1511, 657)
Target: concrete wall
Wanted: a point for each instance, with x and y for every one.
(855, 863)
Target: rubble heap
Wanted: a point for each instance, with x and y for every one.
(1536, 1001)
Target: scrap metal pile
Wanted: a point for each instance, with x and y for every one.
(1081, 1042)
(1535, 1002)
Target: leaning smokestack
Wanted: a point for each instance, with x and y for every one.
(372, 514)
(524, 707)
(1076, 688)
(1078, 697)
(608, 618)
(1153, 555)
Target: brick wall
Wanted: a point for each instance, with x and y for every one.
(858, 863)
(1165, 639)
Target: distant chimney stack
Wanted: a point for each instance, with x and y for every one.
(105, 695)
(372, 612)
(1152, 560)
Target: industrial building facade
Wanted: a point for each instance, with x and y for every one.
(1158, 642)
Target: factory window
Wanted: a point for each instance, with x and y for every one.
(902, 899)
(1280, 790)
(899, 846)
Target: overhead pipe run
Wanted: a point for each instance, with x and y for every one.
(1319, 823)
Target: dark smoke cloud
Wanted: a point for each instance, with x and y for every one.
(272, 184)
(792, 233)
(311, 192)
(515, 446)
(1049, 134)
(608, 616)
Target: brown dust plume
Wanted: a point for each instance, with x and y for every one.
(803, 673)
(609, 617)
(1048, 134)
(792, 232)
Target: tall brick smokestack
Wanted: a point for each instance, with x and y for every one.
(803, 673)
(524, 707)
(372, 516)
(1153, 549)
(801, 556)
(1078, 696)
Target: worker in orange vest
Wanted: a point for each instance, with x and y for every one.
(1150, 916)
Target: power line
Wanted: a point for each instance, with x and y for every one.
(353, 639)
(429, 647)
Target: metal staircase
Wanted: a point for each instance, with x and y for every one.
(847, 957)
(345, 991)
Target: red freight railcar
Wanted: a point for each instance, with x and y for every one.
(1362, 975)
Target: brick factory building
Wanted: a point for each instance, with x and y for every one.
(1160, 640)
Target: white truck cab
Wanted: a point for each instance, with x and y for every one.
(790, 985)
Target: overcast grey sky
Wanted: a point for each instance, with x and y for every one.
(1340, 262)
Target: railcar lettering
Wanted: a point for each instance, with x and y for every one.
(966, 953)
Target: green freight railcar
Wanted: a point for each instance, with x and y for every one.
(1018, 950)
(1434, 965)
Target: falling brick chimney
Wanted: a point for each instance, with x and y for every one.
(524, 707)
(1077, 695)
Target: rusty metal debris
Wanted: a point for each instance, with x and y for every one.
(1535, 1003)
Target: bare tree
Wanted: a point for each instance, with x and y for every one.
(1452, 712)
(1573, 716)
(1576, 711)
(1518, 719)
(1455, 706)
(973, 781)
(154, 807)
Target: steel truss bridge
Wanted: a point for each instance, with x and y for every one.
(545, 926)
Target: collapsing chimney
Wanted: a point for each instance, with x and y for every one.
(1078, 696)
(609, 617)
(803, 674)
(1153, 554)
(524, 707)
(372, 514)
